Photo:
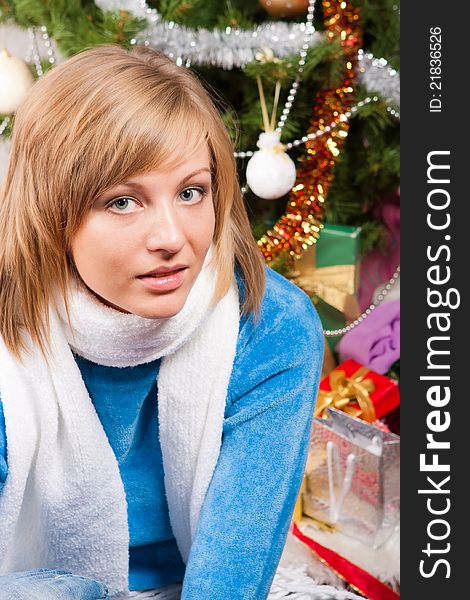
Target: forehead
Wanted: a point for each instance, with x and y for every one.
(145, 145)
(191, 164)
(191, 156)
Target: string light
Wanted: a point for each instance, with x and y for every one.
(4, 124)
(368, 311)
(311, 136)
(376, 75)
(33, 51)
(300, 69)
(48, 45)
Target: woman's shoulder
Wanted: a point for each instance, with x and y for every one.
(287, 336)
(282, 294)
(286, 312)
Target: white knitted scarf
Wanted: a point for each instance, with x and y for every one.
(63, 505)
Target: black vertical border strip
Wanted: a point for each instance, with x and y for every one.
(422, 132)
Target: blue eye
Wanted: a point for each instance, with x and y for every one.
(192, 195)
(123, 205)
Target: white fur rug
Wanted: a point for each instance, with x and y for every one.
(301, 576)
(308, 578)
(383, 563)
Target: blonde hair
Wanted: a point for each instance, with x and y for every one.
(100, 117)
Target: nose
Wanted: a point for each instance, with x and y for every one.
(165, 230)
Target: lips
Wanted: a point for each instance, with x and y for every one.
(166, 281)
(164, 271)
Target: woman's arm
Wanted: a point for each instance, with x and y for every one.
(245, 517)
(3, 448)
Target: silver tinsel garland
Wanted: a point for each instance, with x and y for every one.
(377, 76)
(231, 47)
(227, 48)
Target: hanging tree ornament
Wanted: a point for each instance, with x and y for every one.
(270, 172)
(15, 81)
(299, 227)
(285, 8)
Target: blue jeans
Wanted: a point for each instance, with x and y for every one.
(48, 584)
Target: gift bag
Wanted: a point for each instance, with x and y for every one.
(353, 478)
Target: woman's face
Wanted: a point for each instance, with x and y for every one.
(160, 220)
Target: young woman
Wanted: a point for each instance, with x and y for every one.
(157, 380)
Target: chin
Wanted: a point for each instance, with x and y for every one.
(166, 310)
(167, 314)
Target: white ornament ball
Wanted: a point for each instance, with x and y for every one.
(270, 172)
(15, 82)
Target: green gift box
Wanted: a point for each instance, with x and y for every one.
(329, 273)
(339, 245)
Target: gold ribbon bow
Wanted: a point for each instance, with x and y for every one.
(335, 285)
(348, 392)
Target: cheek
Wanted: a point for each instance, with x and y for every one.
(207, 227)
(198, 229)
(95, 251)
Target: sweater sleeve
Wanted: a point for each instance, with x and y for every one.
(247, 511)
(3, 448)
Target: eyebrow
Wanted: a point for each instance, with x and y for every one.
(194, 173)
(139, 186)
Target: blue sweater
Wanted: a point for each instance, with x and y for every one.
(246, 514)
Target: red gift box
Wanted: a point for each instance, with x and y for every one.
(359, 391)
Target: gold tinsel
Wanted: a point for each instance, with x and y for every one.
(299, 227)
